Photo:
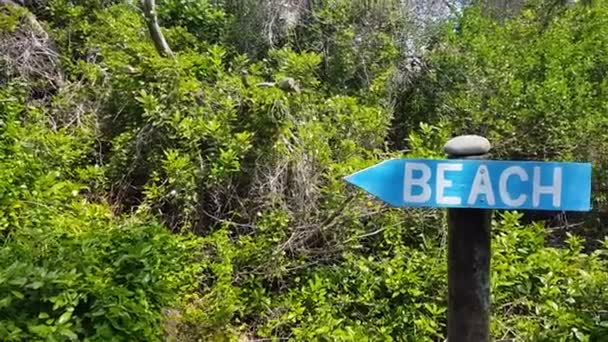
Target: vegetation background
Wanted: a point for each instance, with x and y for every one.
(173, 171)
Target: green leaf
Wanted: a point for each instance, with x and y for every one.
(64, 317)
(18, 294)
(36, 285)
(578, 334)
(69, 334)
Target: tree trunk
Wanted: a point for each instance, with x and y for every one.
(156, 34)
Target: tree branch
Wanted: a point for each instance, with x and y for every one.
(156, 34)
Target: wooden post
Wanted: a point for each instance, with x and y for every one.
(468, 257)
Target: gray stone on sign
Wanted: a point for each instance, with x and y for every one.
(467, 145)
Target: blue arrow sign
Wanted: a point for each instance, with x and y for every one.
(488, 184)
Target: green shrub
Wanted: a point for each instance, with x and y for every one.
(210, 142)
(70, 269)
(397, 292)
(543, 293)
(203, 19)
(535, 91)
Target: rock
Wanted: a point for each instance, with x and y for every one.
(11, 2)
(467, 145)
(289, 85)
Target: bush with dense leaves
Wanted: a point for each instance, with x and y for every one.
(211, 142)
(69, 268)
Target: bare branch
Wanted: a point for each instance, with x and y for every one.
(156, 34)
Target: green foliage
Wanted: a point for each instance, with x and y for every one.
(202, 18)
(70, 270)
(540, 293)
(10, 18)
(209, 142)
(546, 293)
(180, 131)
(535, 86)
(360, 43)
(535, 91)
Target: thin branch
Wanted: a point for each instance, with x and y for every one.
(375, 232)
(328, 223)
(232, 223)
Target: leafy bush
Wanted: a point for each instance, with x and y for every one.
(70, 269)
(397, 292)
(202, 18)
(249, 152)
(535, 91)
(542, 293)
(534, 85)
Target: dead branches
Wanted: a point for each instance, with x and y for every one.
(302, 237)
(28, 53)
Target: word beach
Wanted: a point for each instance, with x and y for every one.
(479, 184)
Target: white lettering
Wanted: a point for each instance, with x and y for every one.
(555, 190)
(422, 182)
(442, 183)
(502, 186)
(482, 185)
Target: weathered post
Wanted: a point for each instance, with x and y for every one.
(468, 256)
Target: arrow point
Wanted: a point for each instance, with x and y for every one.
(381, 180)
